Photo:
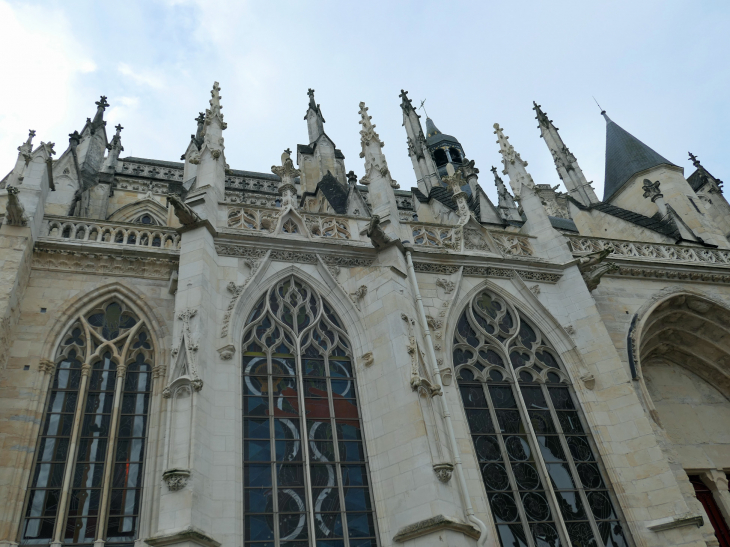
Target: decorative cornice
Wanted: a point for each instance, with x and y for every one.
(293, 256)
(434, 525)
(101, 263)
(486, 271)
(672, 274)
(188, 535)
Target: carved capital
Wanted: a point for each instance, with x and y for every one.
(176, 479)
(443, 471)
(47, 366)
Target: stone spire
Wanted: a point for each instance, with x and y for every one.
(211, 168)
(514, 165)
(377, 175)
(565, 162)
(455, 181)
(625, 157)
(507, 206)
(287, 172)
(315, 120)
(423, 164)
(538, 223)
(115, 147)
(98, 120)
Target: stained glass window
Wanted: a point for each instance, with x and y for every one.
(87, 479)
(543, 480)
(305, 467)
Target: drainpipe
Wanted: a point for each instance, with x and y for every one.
(445, 408)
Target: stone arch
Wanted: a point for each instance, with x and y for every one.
(118, 289)
(552, 329)
(682, 343)
(131, 211)
(334, 295)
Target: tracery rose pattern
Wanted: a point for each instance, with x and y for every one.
(305, 471)
(509, 375)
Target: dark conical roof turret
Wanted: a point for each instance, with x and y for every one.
(434, 136)
(625, 156)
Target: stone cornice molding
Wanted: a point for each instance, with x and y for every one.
(102, 263)
(190, 534)
(434, 525)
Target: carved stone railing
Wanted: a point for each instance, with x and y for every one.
(150, 171)
(651, 251)
(512, 244)
(331, 227)
(444, 237)
(111, 233)
(250, 218)
(244, 198)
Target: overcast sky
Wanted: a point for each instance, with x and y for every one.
(660, 68)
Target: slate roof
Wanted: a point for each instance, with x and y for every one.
(335, 193)
(309, 150)
(662, 226)
(434, 136)
(446, 196)
(625, 156)
(563, 224)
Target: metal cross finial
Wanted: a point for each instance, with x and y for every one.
(599, 106)
(423, 102)
(119, 128)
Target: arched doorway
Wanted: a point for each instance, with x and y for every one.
(684, 356)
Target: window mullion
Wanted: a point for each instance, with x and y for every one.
(542, 467)
(71, 459)
(507, 466)
(111, 446)
(272, 447)
(299, 371)
(338, 458)
(573, 469)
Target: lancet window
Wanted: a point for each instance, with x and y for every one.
(86, 483)
(543, 479)
(306, 479)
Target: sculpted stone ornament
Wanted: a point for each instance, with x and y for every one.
(592, 267)
(358, 295)
(287, 172)
(14, 210)
(183, 212)
(651, 190)
(368, 359)
(376, 234)
(176, 479)
(446, 285)
(443, 471)
(455, 180)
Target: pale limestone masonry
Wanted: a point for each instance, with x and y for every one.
(419, 289)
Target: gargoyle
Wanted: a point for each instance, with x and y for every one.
(183, 212)
(14, 211)
(592, 267)
(376, 234)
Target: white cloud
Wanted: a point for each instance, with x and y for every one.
(40, 62)
(144, 77)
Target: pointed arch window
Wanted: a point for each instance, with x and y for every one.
(545, 484)
(306, 478)
(86, 483)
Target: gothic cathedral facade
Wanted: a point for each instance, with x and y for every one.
(198, 356)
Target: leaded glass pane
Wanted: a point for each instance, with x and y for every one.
(104, 441)
(542, 479)
(299, 402)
